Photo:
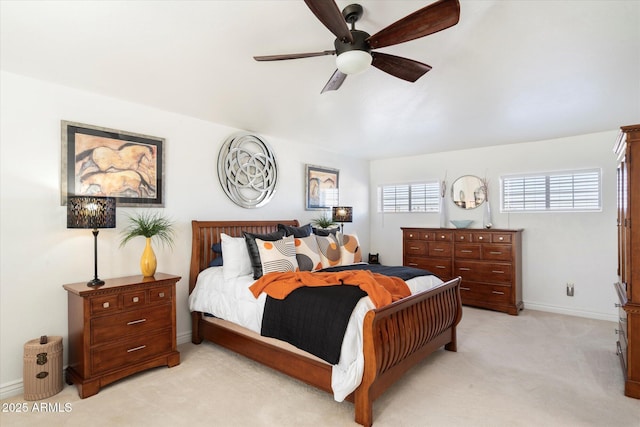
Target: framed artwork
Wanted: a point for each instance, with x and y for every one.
(97, 161)
(322, 187)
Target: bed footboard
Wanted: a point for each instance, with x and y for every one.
(399, 335)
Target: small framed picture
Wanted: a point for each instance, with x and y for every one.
(322, 187)
(97, 161)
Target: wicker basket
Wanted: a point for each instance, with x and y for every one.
(42, 373)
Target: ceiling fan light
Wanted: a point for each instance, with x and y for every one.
(353, 61)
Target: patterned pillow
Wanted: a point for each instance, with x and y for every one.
(308, 254)
(254, 255)
(329, 250)
(350, 252)
(277, 256)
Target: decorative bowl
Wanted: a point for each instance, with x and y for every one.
(461, 223)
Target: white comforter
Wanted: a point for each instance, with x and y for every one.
(231, 300)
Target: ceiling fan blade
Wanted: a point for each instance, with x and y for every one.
(293, 56)
(335, 81)
(403, 68)
(428, 20)
(328, 13)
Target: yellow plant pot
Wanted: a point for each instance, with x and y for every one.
(148, 262)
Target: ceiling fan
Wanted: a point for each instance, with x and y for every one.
(354, 47)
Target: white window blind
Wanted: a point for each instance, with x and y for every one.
(417, 197)
(557, 191)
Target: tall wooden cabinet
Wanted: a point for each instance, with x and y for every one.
(627, 149)
(489, 262)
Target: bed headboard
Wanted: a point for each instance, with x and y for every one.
(206, 233)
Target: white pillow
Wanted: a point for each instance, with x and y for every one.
(278, 256)
(235, 256)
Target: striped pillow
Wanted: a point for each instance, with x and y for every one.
(277, 256)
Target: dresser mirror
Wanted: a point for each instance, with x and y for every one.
(467, 192)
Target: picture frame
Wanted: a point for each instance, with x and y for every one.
(98, 161)
(322, 186)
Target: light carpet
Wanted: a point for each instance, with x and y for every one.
(535, 369)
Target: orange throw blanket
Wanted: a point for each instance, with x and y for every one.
(381, 289)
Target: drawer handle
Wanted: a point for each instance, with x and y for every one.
(465, 269)
(464, 289)
(410, 235)
(412, 264)
(461, 237)
(438, 250)
(105, 305)
(443, 236)
(497, 271)
(414, 248)
(134, 322)
(497, 292)
(426, 237)
(500, 238)
(135, 299)
(131, 350)
(161, 295)
(480, 238)
(466, 251)
(440, 266)
(495, 253)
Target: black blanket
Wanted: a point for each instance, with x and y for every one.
(315, 319)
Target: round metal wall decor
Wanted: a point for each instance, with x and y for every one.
(247, 170)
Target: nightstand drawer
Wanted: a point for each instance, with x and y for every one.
(109, 328)
(135, 299)
(160, 294)
(131, 351)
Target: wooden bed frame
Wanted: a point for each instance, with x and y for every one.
(396, 337)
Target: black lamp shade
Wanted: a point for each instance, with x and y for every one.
(342, 214)
(91, 212)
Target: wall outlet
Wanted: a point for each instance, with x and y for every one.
(569, 289)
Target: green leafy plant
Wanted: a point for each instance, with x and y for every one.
(324, 221)
(149, 224)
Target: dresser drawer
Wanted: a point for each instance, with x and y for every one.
(439, 267)
(501, 238)
(496, 252)
(493, 294)
(467, 250)
(109, 328)
(130, 351)
(418, 235)
(490, 272)
(440, 249)
(415, 247)
(105, 304)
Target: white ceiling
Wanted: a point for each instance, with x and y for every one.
(510, 71)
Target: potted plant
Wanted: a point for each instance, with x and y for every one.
(324, 221)
(148, 225)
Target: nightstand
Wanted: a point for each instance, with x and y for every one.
(125, 326)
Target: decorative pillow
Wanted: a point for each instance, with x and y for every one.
(325, 231)
(236, 257)
(303, 231)
(277, 256)
(254, 255)
(350, 252)
(329, 250)
(217, 247)
(308, 254)
(216, 262)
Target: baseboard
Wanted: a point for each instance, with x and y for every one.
(11, 389)
(571, 312)
(15, 388)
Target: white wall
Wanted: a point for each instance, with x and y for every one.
(38, 254)
(557, 247)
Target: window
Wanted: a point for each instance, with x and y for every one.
(557, 191)
(418, 197)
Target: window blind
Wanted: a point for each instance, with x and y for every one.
(415, 197)
(559, 191)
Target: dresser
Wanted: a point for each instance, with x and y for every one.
(125, 326)
(489, 262)
(627, 149)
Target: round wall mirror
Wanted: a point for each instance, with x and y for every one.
(467, 192)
